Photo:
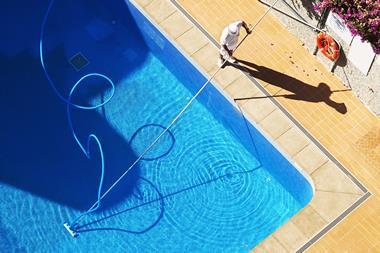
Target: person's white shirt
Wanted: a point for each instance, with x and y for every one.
(230, 35)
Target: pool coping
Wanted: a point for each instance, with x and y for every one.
(310, 136)
(356, 204)
(366, 192)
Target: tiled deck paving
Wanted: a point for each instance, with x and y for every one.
(290, 73)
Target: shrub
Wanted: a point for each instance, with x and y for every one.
(362, 17)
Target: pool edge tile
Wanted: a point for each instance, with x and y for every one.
(208, 69)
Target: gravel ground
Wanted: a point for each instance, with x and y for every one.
(366, 88)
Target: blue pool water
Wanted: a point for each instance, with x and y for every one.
(213, 183)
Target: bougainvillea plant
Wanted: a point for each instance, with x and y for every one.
(362, 17)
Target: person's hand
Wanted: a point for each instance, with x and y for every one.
(249, 29)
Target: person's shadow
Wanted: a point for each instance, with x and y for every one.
(300, 90)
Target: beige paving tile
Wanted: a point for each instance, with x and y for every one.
(271, 244)
(292, 141)
(329, 205)
(193, 40)
(143, 3)
(242, 88)
(330, 178)
(159, 10)
(206, 57)
(176, 24)
(226, 76)
(290, 236)
(310, 158)
(276, 123)
(259, 249)
(308, 221)
(258, 109)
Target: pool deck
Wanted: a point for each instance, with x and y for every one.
(303, 108)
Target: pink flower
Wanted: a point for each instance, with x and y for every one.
(362, 17)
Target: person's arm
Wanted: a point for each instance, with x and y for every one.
(246, 27)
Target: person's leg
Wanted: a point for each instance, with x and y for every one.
(222, 56)
(231, 58)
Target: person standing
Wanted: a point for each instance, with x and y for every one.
(229, 41)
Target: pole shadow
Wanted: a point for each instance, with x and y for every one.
(160, 199)
(161, 149)
(300, 90)
(140, 195)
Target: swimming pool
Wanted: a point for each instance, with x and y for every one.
(214, 183)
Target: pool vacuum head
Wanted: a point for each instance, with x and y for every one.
(68, 228)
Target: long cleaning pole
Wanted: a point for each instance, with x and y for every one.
(173, 121)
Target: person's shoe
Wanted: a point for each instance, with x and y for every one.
(220, 63)
(232, 59)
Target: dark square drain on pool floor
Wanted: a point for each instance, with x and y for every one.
(78, 61)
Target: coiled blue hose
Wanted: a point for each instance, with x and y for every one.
(69, 103)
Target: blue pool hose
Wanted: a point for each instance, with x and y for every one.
(69, 103)
(86, 151)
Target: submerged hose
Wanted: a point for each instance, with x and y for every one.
(176, 118)
(96, 205)
(92, 137)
